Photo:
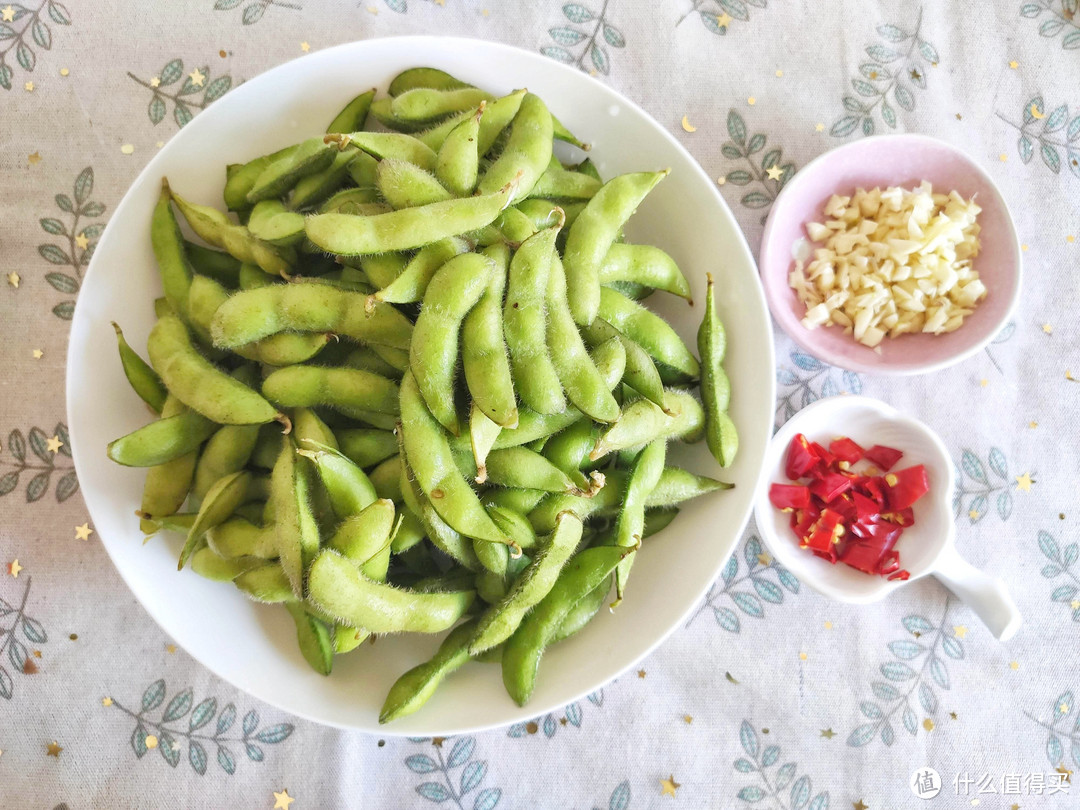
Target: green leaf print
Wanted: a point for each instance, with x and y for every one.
(591, 42)
(197, 91)
(78, 238)
(39, 469)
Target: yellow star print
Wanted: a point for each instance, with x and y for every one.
(53, 750)
(1014, 64)
(155, 82)
(54, 444)
(960, 631)
(106, 701)
(438, 741)
(860, 805)
(305, 47)
(819, 128)
(282, 800)
(34, 158)
(8, 14)
(197, 78)
(1024, 482)
(973, 514)
(151, 741)
(775, 172)
(83, 532)
(29, 87)
(14, 279)
(14, 568)
(82, 241)
(669, 786)
(764, 559)
(723, 20)
(828, 733)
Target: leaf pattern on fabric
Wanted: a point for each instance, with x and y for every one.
(253, 11)
(25, 459)
(759, 161)
(1061, 565)
(26, 35)
(982, 487)
(20, 633)
(1062, 732)
(549, 724)
(807, 380)
(779, 787)
(583, 38)
(1057, 18)
(78, 238)
(185, 722)
(454, 774)
(717, 15)
(1052, 133)
(186, 92)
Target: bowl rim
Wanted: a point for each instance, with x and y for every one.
(801, 336)
(80, 454)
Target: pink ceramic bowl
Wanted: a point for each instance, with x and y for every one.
(892, 160)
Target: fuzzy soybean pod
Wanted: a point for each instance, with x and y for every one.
(353, 114)
(199, 384)
(167, 484)
(500, 621)
(214, 227)
(426, 104)
(648, 330)
(457, 164)
(297, 534)
(412, 282)
(387, 145)
(514, 525)
(221, 501)
(163, 440)
(496, 117)
(405, 185)
(646, 265)
(266, 583)
(720, 433)
(676, 485)
(366, 447)
(454, 290)
(518, 467)
(347, 235)
(546, 513)
(314, 637)
(413, 689)
(386, 478)
(442, 535)
(429, 455)
(239, 182)
(272, 222)
(585, 573)
(630, 525)
(642, 421)
(558, 183)
(382, 268)
(582, 613)
(424, 77)
(313, 189)
(338, 588)
(349, 390)
(348, 488)
(584, 385)
(545, 213)
(282, 174)
(569, 449)
(525, 324)
(226, 452)
(251, 315)
(483, 355)
(220, 266)
(208, 564)
(174, 267)
(593, 233)
(641, 373)
(526, 153)
(238, 537)
(365, 538)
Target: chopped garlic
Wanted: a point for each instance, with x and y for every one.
(894, 262)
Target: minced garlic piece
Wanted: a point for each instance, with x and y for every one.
(894, 262)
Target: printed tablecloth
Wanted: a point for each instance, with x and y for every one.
(771, 696)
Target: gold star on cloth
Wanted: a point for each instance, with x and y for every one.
(13, 279)
(1048, 328)
(1065, 772)
(305, 47)
(860, 805)
(440, 2)
(751, 101)
(819, 127)
(106, 701)
(828, 733)
(1064, 707)
(197, 78)
(29, 87)
(8, 14)
(641, 673)
(170, 648)
(54, 444)
(915, 75)
(282, 800)
(82, 241)
(34, 158)
(669, 786)
(38, 354)
(953, 715)
(53, 750)
(83, 532)
(1075, 604)
(1014, 665)
(688, 719)
(14, 568)
(723, 20)
(973, 514)
(960, 631)
(155, 82)
(1014, 64)
(774, 172)
(764, 558)
(1024, 482)
(438, 741)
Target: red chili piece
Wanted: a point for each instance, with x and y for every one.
(789, 496)
(883, 457)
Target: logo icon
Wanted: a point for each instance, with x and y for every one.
(925, 783)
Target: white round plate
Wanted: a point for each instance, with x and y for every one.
(254, 646)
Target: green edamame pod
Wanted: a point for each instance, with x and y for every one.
(514, 524)
(545, 213)
(525, 324)
(442, 535)
(267, 447)
(427, 104)
(251, 315)
(582, 613)
(585, 573)
(648, 330)
(144, 380)
(348, 390)
(166, 487)
(518, 500)
(353, 114)
(457, 163)
(384, 145)
(209, 565)
(409, 533)
(514, 226)
(237, 537)
(349, 489)
(429, 455)
(272, 222)
(386, 477)
(482, 435)
(280, 175)
(339, 589)
(267, 583)
(500, 621)
(495, 119)
(520, 467)
(720, 433)
(200, 385)
(227, 451)
(656, 520)
(609, 496)
(363, 536)
(363, 201)
(297, 534)
(162, 441)
(366, 447)
(221, 267)
(569, 449)
(173, 264)
(593, 233)
(314, 639)
(413, 689)
(405, 185)
(221, 501)
(557, 183)
(630, 525)
(424, 77)
(347, 235)
(641, 373)
(484, 358)
(239, 182)
(527, 151)
(365, 359)
(410, 285)
(180, 523)
(454, 290)
(588, 167)
(645, 265)
(578, 374)
(677, 485)
(642, 421)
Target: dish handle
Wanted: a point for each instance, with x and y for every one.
(984, 594)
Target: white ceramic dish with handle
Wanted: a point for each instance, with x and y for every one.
(254, 646)
(926, 548)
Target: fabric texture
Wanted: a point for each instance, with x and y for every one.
(771, 695)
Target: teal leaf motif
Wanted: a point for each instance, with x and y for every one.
(566, 36)
(770, 756)
(751, 793)
(620, 797)
(748, 738)
(178, 706)
(577, 13)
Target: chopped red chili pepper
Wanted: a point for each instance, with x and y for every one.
(904, 487)
(799, 458)
(865, 507)
(846, 450)
(884, 457)
(789, 496)
(830, 486)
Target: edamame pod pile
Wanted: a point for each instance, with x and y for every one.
(408, 383)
